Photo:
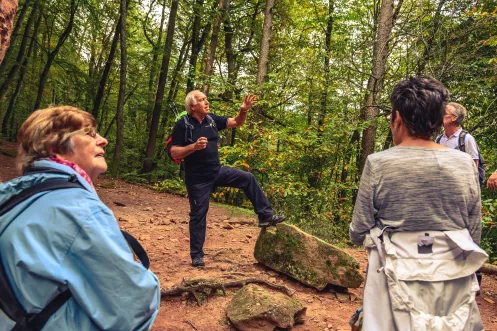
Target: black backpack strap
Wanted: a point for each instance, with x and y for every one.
(13, 309)
(462, 144)
(438, 139)
(188, 130)
(138, 249)
(52, 184)
(8, 301)
(45, 170)
(211, 121)
(38, 321)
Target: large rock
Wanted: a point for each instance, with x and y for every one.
(308, 259)
(254, 308)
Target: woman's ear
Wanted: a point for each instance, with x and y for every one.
(397, 122)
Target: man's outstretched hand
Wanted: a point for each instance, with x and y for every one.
(492, 181)
(250, 100)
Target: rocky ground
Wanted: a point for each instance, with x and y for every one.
(160, 222)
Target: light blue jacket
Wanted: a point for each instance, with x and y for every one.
(68, 238)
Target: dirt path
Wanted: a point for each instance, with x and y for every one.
(160, 221)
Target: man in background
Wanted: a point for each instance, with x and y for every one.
(452, 121)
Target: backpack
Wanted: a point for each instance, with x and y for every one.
(188, 133)
(9, 304)
(462, 148)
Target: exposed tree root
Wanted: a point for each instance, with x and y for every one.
(205, 286)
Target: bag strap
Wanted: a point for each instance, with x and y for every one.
(38, 321)
(52, 184)
(462, 144)
(8, 302)
(189, 127)
(188, 130)
(211, 121)
(137, 248)
(13, 309)
(438, 139)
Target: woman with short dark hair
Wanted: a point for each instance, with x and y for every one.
(63, 248)
(418, 215)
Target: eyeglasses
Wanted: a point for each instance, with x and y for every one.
(449, 114)
(89, 131)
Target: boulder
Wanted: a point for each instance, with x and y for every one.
(253, 308)
(310, 260)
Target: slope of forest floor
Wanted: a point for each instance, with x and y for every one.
(160, 222)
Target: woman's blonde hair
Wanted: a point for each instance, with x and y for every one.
(44, 133)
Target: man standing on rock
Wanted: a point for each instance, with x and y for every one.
(194, 139)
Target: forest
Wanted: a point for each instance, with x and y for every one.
(323, 70)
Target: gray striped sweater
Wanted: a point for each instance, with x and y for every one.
(417, 189)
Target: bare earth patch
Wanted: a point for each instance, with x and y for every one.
(160, 222)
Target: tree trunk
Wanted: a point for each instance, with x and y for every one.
(326, 71)
(20, 54)
(122, 92)
(173, 87)
(223, 4)
(7, 16)
(180, 64)
(317, 162)
(53, 54)
(265, 42)
(198, 40)
(230, 56)
(310, 103)
(148, 162)
(152, 81)
(429, 43)
(375, 81)
(20, 80)
(105, 73)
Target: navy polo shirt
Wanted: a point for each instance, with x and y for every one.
(203, 165)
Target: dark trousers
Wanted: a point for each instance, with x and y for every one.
(199, 195)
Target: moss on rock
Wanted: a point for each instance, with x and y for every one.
(308, 259)
(255, 308)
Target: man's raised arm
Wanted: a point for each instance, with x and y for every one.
(239, 119)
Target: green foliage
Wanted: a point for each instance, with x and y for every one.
(489, 221)
(175, 186)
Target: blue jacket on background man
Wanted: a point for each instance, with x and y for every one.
(68, 239)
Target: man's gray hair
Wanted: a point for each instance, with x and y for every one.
(459, 111)
(190, 100)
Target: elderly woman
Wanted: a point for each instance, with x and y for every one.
(418, 215)
(66, 240)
